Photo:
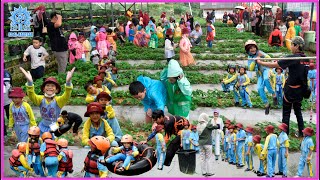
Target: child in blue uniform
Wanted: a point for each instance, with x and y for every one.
(230, 81)
(50, 104)
(312, 74)
(160, 147)
(242, 82)
(185, 136)
(20, 114)
(232, 146)
(128, 152)
(249, 148)
(33, 150)
(283, 150)
(307, 146)
(226, 140)
(241, 137)
(194, 138)
(278, 85)
(270, 148)
(258, 147)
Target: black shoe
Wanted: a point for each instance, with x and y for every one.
(236, 104)
(284, 176)
(275, 101)
(222, 159)
(205, 175)
(210, 174)
(159, 168)
(230, 163)
(259, 173)
(279, 173)
(267, 110)
(248, 169)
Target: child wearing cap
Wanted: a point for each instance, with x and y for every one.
(95, 125)
(20, 114)
(283, 144)
(169, 45)
(242, 82)
(258, 147)
(102, 42)
(230, 81)
(312, 74)
(227, 123)
(232, 145)
(160, 147)
(107, 79)
(241, 138)
(186, 57)
(65, 158)
(18, 160)
(185, 136)
(249, 148)
(131, 33)
(104, 99)
(153, 43)
(50, 104)
(307, 146)
(98, 84)
(93, 165)
(270, 148)
(49, 152)
(151, 92)
(179, 90)
(93, 91)
(278, 84)
(33, 150)
(194, 138)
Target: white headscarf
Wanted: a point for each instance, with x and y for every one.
(203, 121)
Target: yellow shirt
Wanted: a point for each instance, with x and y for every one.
(91, 97)
(29, 112)
(110, 111)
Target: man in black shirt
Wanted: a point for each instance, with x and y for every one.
(296, 87)
(58, 43)
(69, 118)
(258, 24)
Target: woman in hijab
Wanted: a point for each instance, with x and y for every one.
(204, 129)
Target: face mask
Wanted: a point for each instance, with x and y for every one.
(49, 96)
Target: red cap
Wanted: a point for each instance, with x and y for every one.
(283, 127)
(97, 78)
(269, 129)
(231, 127)
(256, 138)
(239, 125)
(169, 32)
(102, 71)
(115, 69)
(94, 107)
(308, 131)
(53, 81)
(104, 95)
(193, 127)
(311, 66)
(16, 92)
(249, 129)
(227, 121)
(185, 31)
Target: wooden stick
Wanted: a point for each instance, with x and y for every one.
(284, 58)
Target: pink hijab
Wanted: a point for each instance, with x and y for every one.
(127, 28)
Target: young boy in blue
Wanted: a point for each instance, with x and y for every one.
(33, 150)
(230, 81)
(278, 84)
(185, 136)
(232, 146)
(258, 147)
(249, 148)
(104, 99)
(194, 139)
(160, 147)
(241, 137)
(307, 146)
(283, 144)
(18, 160)
(270, 148)
(49, 151)
(152, 93)
(65, 158)
(312, 74)
(20, 114)
(227, 123)
(242, 82)
(128, 152)
(50, 104)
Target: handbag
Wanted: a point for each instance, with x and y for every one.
(44, 29)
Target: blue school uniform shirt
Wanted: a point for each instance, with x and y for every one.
(248, 141)
(312, 74)
(97, 131)
(307, 145)
(282, 139)
(49, 112)
(253, 66)
(20, 115)
(156, 94)
(240, 135)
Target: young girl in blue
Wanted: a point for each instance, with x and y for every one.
(50, 104)
(160, 147)
(232, 145)
(227, 123)
(278, 84)
(249, 148)
(242, 82)
(185, 136)
(312, 74)
(194, 138)
(270, 149)
(283, 144)
(241, 137)
(230, 81)
(20, 114)
(128, 152)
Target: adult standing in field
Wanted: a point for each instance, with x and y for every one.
(191, 20)
(253, 21)
(258, 23)
(246, 17)
(58, 42)
(39, 21)
(296, 86)
(209, 17)
(213, 16)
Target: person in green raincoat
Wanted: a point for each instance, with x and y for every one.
(153, 43)
(179, 90)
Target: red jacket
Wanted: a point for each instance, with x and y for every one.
(275, 38)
